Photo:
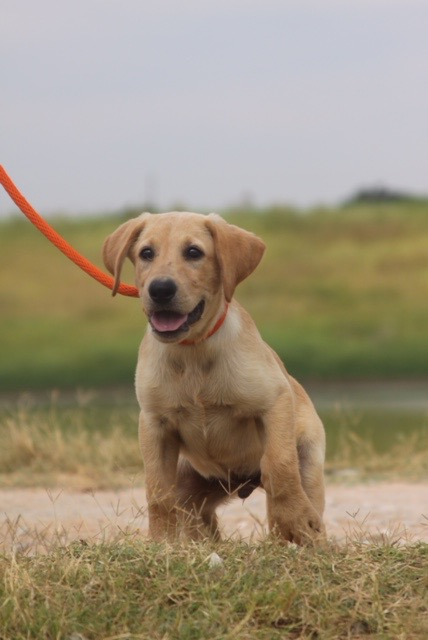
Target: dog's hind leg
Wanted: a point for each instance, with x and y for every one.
(198, 498)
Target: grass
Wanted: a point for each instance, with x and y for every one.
(84, 445)
(126, 588)
(131, 590)
(90, 443)
(339, 294)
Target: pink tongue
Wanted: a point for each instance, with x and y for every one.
(167, 321)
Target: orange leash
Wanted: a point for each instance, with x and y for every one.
(58, 241)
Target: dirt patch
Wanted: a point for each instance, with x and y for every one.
(394, 512)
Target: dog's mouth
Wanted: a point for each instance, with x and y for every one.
(169, 324)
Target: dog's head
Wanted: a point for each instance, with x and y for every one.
(186, 266)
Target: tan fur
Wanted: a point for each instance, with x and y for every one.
(224, 408)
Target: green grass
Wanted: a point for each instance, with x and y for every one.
(339, 294)
(132, 589)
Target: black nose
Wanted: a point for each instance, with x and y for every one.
(162, 289)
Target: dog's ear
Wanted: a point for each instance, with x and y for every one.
(238, 252)
(118, 245)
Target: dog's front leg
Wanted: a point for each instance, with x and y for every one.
(290, 513)
(160, 451)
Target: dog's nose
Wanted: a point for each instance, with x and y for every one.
(162, 289)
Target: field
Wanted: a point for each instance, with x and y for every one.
(340, 294)
(130, 590)
(89, 441)
(127, 588)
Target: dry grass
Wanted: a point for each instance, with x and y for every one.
(357, 458)
(95, 447)
(92, 445)
(131, 589)
(125, 588)
(79, 448)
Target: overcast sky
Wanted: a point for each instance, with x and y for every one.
(109, 103)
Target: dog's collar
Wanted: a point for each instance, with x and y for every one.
(214, 330)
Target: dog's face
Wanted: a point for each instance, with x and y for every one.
(186, 266)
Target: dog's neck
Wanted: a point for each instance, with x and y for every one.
(214, 330)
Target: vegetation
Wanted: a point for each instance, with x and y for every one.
(92, 444)
(85, 446)
(339, 294)
(133, 590)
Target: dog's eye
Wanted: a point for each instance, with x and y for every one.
(193, 253)
(147, 254)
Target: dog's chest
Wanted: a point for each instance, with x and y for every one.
(216, 415)
(207, 387)
(218, 438)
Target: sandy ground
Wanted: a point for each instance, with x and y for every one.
(32, 518)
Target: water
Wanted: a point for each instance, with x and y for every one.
(395, 395)
(382, 412)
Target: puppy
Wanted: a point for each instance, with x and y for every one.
(220, 415)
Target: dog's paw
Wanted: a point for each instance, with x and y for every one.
(301, 525)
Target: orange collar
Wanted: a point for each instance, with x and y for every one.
(214, 330)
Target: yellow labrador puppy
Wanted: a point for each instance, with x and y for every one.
(220, 415)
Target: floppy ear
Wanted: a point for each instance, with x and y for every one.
(118, 245)
(238, 252)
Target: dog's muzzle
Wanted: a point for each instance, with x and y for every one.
(166, 321)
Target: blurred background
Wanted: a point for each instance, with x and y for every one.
(303, 121)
